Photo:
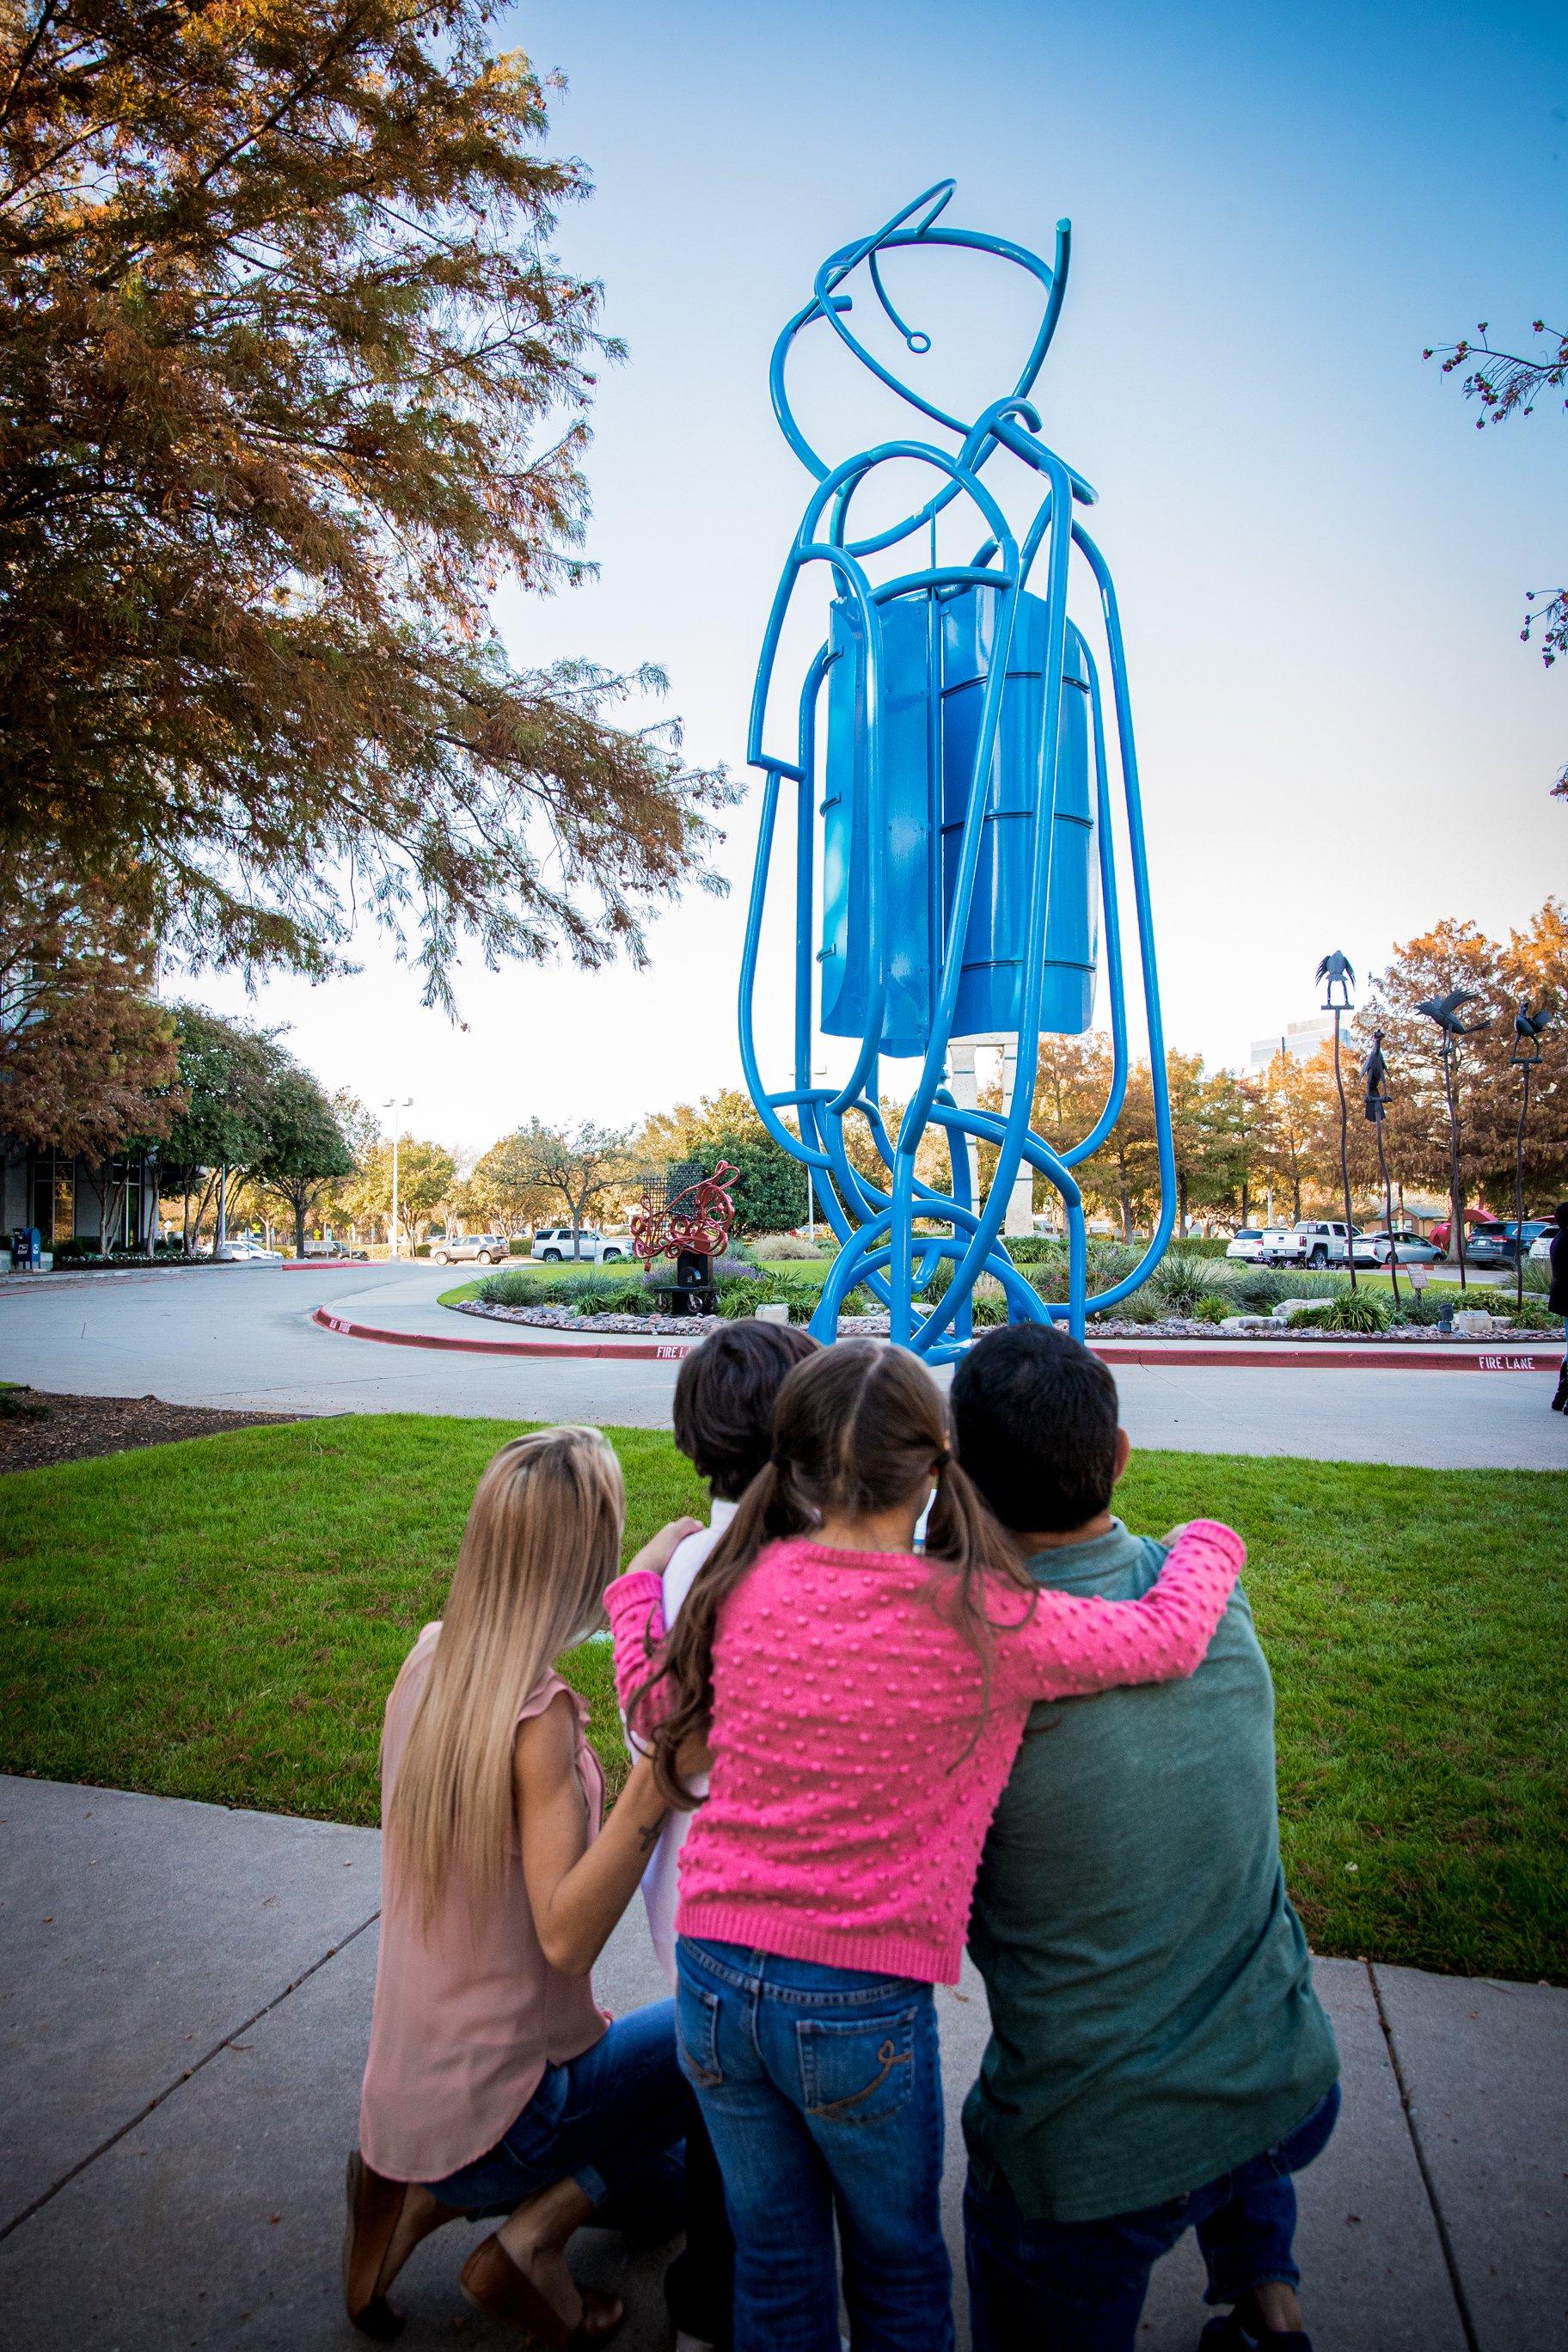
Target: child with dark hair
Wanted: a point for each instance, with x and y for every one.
(862, 1701)
(1131, 1901)
(724, 1398)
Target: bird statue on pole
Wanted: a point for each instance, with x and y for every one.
(1339, 972)
(1444, 1011)
(1375, 1075)
(1529, 1028)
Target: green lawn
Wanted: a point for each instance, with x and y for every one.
(222, 1619)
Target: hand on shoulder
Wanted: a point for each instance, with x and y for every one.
(655, 1555)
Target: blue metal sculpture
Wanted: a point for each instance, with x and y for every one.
(966, 828)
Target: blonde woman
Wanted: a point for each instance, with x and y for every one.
(494, 2084)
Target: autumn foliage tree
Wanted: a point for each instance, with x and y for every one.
(289, 383)
(1531, 962)
(88, 1060)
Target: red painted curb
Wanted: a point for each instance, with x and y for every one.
(1445, 1359)
(1412, 1357)
(650, 1350)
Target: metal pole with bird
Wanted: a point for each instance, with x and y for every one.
(1529, 1028)
(1338, 973)
(1444, 1011)
(1374, 1077)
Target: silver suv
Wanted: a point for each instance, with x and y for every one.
(488, 1248)
(553, 1244)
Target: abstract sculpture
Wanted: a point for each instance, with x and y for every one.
(951, 720)
(688, 1217)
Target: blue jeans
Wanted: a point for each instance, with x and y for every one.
(821, 2089)
(613, 2120)
(1079, 2286)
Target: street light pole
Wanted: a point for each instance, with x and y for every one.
(391, 1103)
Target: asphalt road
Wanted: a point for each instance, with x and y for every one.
(242, 1336)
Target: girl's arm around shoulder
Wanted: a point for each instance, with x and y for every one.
(1073, 1643)
(634, 1606)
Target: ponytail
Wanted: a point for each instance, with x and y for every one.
(857, 1427)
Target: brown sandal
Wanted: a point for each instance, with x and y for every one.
(375, 2209)
(493, 2283)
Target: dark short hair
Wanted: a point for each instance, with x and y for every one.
(1035, 1418)
(724, 1398)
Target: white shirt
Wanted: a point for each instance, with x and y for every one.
(661, 1880)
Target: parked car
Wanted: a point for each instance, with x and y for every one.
(239, 1250)
(1497, 1245)
(487, 1248)
(337, 1250)
(1311, 1241)
(553, 1244)
(1376, 1249)
(1246, 1242)
(1541, 1247)
(1475, 1225)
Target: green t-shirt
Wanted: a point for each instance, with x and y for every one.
(1152, 2017)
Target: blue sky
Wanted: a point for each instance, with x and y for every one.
(1322, 563)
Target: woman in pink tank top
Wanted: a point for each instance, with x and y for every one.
(494, 2084)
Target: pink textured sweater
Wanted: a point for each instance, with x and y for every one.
(845, 1820)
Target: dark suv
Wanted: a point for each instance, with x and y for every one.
(1499, 1244)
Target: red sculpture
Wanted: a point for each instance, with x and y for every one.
(694, 1220)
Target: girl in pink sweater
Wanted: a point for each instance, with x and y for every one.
(863, 1704)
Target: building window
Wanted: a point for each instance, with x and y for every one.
(64, 1200)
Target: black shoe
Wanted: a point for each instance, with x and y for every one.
(1560, 1401)
(1233, 2333)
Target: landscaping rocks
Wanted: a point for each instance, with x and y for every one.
(561, 1319)
(1104, 1327)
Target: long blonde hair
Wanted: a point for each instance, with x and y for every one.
(543, 1539)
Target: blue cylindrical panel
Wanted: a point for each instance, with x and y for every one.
(936, 657)
(907, 850)
(995, 942)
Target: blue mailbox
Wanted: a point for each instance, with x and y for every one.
(955, 879)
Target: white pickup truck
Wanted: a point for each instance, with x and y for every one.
(1313, 1241)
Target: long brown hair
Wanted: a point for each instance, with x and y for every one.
(543, 1539)
(856, 1428)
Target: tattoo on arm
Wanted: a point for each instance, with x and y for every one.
(649, 1835)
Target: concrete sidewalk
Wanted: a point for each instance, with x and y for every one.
(183, 2022)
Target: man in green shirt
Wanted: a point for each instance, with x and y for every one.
(1158, 2059)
